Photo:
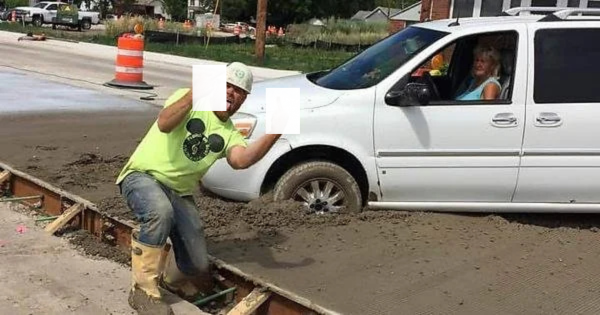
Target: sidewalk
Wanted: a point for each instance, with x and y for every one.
(44, 274)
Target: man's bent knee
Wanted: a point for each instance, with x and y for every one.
(151, 207)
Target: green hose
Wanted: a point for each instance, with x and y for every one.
(214, 296)
(47, 218)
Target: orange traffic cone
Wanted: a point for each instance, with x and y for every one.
(129, 69)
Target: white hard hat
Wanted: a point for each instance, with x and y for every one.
(240, 75)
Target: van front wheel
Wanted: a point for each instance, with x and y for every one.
(322, 186)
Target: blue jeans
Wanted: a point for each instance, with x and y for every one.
(163, 214)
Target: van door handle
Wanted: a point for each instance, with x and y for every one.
(548, 119)
(504, 120)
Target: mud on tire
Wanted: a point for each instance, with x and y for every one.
(305, 174)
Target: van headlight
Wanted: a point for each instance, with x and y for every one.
(245, 123)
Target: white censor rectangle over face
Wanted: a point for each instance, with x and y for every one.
(209, 88)
(283, 110)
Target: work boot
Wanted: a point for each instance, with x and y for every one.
(189, 288)
(145, 296)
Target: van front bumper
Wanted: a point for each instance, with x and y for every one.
(242, 185)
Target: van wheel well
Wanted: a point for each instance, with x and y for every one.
(317, 153)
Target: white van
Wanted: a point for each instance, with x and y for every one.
(385, 130)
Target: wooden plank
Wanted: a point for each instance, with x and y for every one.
(4, 176)
(251, 302)
(64, 218)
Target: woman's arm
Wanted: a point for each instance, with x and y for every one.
(491, 91)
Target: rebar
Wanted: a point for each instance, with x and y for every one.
(214, 296)
(20, 198)
(47, 218)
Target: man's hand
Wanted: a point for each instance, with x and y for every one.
(240, 158)
(170, 117)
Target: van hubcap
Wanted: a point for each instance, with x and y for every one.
(321, 196)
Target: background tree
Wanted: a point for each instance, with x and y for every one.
(284, 12)
(235, 10)
(177, 9)
(16, 3)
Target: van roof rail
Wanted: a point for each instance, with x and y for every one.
(564, 13)
(518, 10)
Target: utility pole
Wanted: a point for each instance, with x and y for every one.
(261, 28)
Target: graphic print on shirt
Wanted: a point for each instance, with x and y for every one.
(197, 146)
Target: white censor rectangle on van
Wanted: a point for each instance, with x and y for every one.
(283, 110)
(209, 88)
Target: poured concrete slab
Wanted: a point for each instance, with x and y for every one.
(28, 93)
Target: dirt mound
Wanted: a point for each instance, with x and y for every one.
(226, 220)
(91, 158)
(230, 220)
(86, 243)
(115, 207)
(89, 171)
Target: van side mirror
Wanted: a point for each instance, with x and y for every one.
(413, 94)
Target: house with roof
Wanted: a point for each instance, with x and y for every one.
(443, 9)
(376, 15)
(410, 15)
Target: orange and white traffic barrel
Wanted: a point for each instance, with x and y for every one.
(129, 69)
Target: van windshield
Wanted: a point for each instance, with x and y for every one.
(379, 61)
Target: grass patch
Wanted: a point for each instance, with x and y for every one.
(278, 57)
(339, 31)
(283, 57)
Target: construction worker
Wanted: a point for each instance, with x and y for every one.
(158, 182)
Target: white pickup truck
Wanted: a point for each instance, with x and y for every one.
(44, 12)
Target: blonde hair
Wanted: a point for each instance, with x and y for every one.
(491, 53)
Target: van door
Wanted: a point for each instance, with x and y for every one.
(449, 150)
(561, 149)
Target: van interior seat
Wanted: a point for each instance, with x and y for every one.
(506, 70)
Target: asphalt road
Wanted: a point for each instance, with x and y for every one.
(90, 71)
(91, 66)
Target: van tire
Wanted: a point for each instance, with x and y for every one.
(302, 175)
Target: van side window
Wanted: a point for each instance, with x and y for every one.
(566, 66)
(462, 72)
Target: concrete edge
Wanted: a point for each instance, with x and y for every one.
(179, 305)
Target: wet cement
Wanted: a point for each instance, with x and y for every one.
(370, 263)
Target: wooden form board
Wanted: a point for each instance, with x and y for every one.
(64, 218)
(250, 303)
(4, 176)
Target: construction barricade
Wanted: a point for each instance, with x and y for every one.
(129, 69)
